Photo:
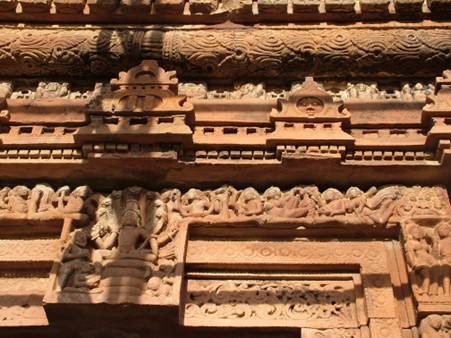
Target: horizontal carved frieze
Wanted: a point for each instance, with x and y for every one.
(344, 91)
(228, 53)
(302, 206)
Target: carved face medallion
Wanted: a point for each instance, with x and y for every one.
(310, 105)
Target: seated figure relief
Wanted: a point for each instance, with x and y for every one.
(126, 248)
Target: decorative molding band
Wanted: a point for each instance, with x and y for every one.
(250, 53)
(31, 250)
(298, 53)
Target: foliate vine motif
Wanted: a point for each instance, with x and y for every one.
(291, 53)
(319, 304)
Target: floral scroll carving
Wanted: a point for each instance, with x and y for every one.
(321, 304)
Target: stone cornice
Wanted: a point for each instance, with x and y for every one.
(218, 11)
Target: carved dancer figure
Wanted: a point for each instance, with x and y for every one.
(75, 255)
(431, 327)
(444, 234)
(421, 261)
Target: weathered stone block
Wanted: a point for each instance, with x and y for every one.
(272, 6)
(340, 6)
(69, 6)
(305, 6)
(374, 6)
(101, 6)
(408, 6)
(203, 6)
(169, 6)
(35, 6)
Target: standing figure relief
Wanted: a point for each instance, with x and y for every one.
(428, 254)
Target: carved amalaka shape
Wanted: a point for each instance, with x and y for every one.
(143, 90)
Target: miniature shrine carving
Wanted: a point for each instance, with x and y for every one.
(143, 89)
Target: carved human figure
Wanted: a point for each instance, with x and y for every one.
(332, 203)
(249, 203)
(195, 203)
(289, 205)
(172, 198)
(421, 260)
(310, 105)
(41, 198)
(444, 235)
(51, 90)
(4, 208)
(75, 202)
(251, 91)
(106, 231)
(431, 326)
(131, 233)
(74, 256)
(380, 207)
(225, 200)
(18, 199)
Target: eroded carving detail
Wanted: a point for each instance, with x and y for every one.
(435, 326)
